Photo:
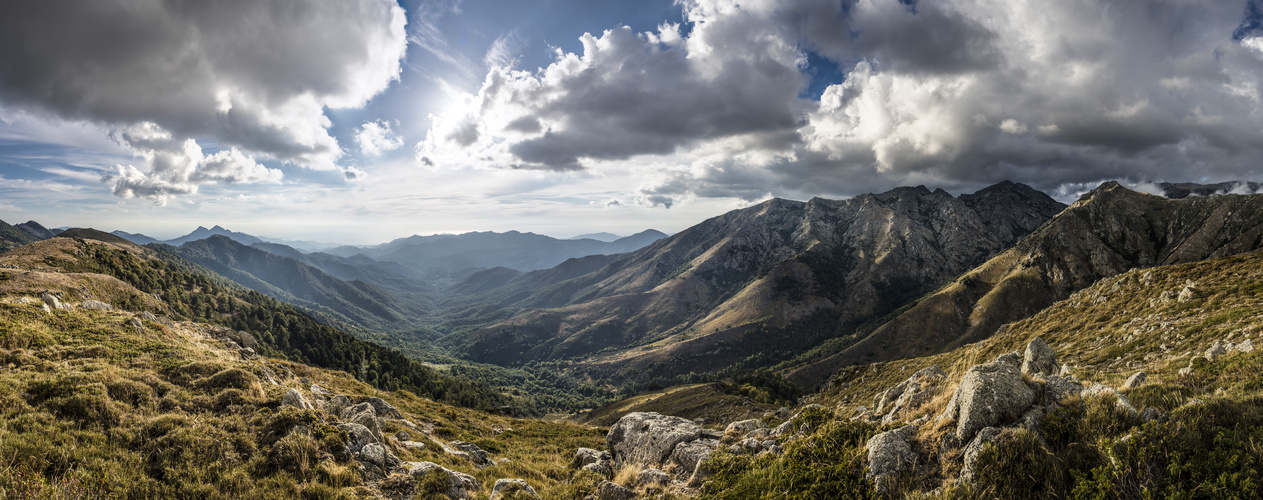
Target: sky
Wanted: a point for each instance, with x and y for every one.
(359, 122)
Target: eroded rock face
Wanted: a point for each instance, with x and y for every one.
(889, 454)
(988, 394)
(647, 439)
(1039, 358)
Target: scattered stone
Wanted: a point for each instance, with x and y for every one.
(1102, 389)
(505, 487)
(378, 455)
(889, 455)
(476, 455)
(1135, 380)
(403, 435)
(96, 304)
(357, 436)
(1150, 414)
(1186, 294)
(1216, 351)
(320, 392)
(909, 395)
(294, 398)
(23, 300)
(975, 447)
(687, 454)
(988, 394)
(609, 490)
(365, 415)
(647, 439)
(458, 484)
(1245, 346)
(1057, 388)
(1039, 359)
(52, 301)
(745, 426)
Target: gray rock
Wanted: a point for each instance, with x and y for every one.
(52, 301)
(1057, 388)
(1039, 358)
(458, 484)
(988, 394)
(476, 455)
(889, 455)
(602, 469)
(383, 409)
(745, 426)
(403, 435)
(786, 427)
(1065, 370)
(321, 392)
(24, 300)
(1216, 351)
(413, 445)
(336, 404)
(1135, 380)
(357, 436)
(647, 439)
(1030, 419)
(247, 340)
(1245, 346)
(975, 447)
(505, 487)
(1150, 414)
(701, 472)
(652, 478)
(294, 398)
(687, 454)
(377, 454)
(365, 415)
(751, 445)
(96, 304)
(585, 456)
(609, 490)
(1012, 358)
(1106, 391)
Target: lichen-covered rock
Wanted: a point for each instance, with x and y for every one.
(585, 456)
(1150, 414)
(1245, 346)
(975, 447)
(889, 454)
(365, 415)
(295, 399)
(1010, 358)
(378, 455)
(1134, 381)
(337, 404)
(602, 469)
(1039, 358)
(745, 426)
(383, 409)
(505, 487)
(1216, 351)
(609, 490)
(647, 439)
(476, 455)
(412, 445)
(1065, 370)
(321, 392)
(458, 484)
(357, 436)
(988, 394)
(52, 301)
(1057, 388)
(687, 454)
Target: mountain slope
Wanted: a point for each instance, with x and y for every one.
(289, 279)
(1106, 232)
(12, 237)
(202, 233)
(512, 249)
(36, 230)
(762, 284)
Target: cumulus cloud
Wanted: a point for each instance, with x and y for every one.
(251, 76)
(376, 138)
(353, 174)
(955, 93)
(179, 167)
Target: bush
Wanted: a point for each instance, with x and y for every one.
(1019, 466)
(828, 464)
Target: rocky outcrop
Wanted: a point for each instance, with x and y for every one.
(1057, 389)
(458, 484)
(358, 436)
(471, 451)
(1039, 359)
(984, 436)
(382, 408)
(609, 490)
(686, 455)
(906, 397)
(988, 394)
(652, 478)
(96, 304)
(295, 399)
(648, 439)
(365, 415)
(889, 455)
(505, 487)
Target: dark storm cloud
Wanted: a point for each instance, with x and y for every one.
(250, 74)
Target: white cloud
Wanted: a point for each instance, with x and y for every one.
(376, 138)
(503, 52)
(179, 167)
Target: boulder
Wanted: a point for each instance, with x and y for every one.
(699, 476)
(602, 469)
(321, 392)
(336, 404)
(412, 445)
(365, 415)
(52, 301)
(383, 409)
(1150, 414)
(1135, 381)
(688, 454)
(988, 394)
(1057, 388)
(378, 455)
(402, 435)
(585, 456)
(647, 439)
(505, 487)
(745, 426)
(1245, 346)
(609, 490)
(458, 484)
(975, 447)
(1039, 358)
(1012, 358)
(1065, 370)
(96, 304)
(294, 398)
(889, 455)
(246, 340)
(357, 436)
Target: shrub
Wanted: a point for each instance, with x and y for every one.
(1019, 466)
(829, 464)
